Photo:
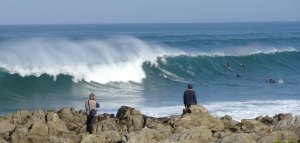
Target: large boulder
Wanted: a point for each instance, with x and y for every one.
(73, 119)
(20, 135)
(6, 127)
(238, 138)
(199, 134)
(191, 120)
(197, 109)
(39, 128)
(130, 117)
(279, 136)
(56, 126)
(229, 122)
(38, 116)
(21, 117)
(289, 123)
(106, 125)
(36, 133)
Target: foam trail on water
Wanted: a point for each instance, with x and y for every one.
(117, 59)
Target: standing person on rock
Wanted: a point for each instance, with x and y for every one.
(189, 98)
(90, 106)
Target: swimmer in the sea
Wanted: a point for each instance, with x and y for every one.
(227, 65)
(243, 67)
(271, 81)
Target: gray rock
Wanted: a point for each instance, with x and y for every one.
(288, 123)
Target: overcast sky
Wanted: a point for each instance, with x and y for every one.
(146, 11)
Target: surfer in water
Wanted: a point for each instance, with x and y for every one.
(227, 65)
(243, 67)
(238, 75)
(271, 81)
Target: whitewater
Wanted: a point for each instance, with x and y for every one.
(56, 66)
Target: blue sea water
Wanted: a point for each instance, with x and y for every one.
(148, 66)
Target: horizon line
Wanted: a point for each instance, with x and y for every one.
(116, 23)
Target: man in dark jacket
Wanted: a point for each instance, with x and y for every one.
(189, 97)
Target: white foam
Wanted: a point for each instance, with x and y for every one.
(245, 51)
(237, 110)
(253, 108)
(111, 60)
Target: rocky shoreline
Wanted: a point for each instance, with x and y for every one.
(131, 126)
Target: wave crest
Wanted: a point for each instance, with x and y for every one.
(117, 59)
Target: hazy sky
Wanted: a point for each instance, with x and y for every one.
(146, 11)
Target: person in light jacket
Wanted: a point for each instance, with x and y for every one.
(90, 106)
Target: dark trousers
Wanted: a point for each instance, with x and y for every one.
(89, 123)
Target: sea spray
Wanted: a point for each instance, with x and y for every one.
(102, 61)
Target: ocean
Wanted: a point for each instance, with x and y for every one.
(148, 67)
